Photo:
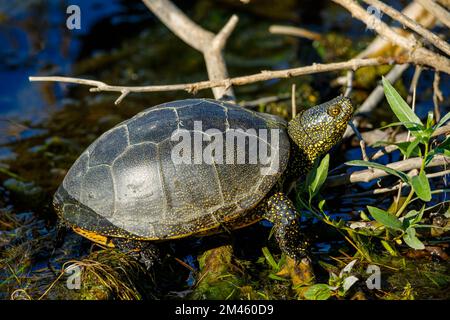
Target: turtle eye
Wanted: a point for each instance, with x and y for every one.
(334, 111)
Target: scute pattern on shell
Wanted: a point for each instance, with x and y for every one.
(125, 182)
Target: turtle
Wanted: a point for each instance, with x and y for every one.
(148, 179)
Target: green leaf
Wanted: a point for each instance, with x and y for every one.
(400, 108)
(375, 165)
(411, 147)
(425, 135)
(348, 282)
(445, 144)
(408, 148)
(318, 177)
(278, 278)
(414, 126)
(430, 119)
(443, 120)
(412, 218)
(318, 292)
(421, 186)
(385, 218)
(411, 239)
(270, 258)
(321, 204)
(443, 148)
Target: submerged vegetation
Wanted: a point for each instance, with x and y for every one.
(378, 227)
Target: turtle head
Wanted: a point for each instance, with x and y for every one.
(319, 128)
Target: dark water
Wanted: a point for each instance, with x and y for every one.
(45, 126)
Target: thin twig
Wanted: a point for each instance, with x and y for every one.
(368, 175)
(98, 86)
(414, 82)
(391, 148)
(348, 90)
(362, 143)
(437, 96)
(295, 31)
(264, 100)
(293, 102)
(392, 188)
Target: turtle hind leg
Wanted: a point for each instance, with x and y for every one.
(281, 212)
(61, 232)
(143, 251)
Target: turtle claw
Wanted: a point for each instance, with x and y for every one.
(144, 252)
(149, 257)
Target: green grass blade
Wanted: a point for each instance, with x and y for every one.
(270, 258)
(443, 120)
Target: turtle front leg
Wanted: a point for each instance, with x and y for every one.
(281, 212)
(143, 251)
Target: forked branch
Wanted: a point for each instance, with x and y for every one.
(209, 44)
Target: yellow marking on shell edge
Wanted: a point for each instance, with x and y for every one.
(95, 237)
(103, 240)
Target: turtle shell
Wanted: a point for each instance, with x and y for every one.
(127, 183)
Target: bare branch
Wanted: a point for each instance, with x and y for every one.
(436, 10)
(392, 188)
(437, 96)
(293, 102)
(415, 12)
(198, 38)
(445, 3)
(121, 97)
(350, 76)
(413, 85)
(400, 17)
(224, 83)
(368, 175)
(294, 31)
(417, 53)
(180, 24)
(221, 38)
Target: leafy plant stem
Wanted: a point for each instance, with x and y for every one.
(411, 193)
(405, 204)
